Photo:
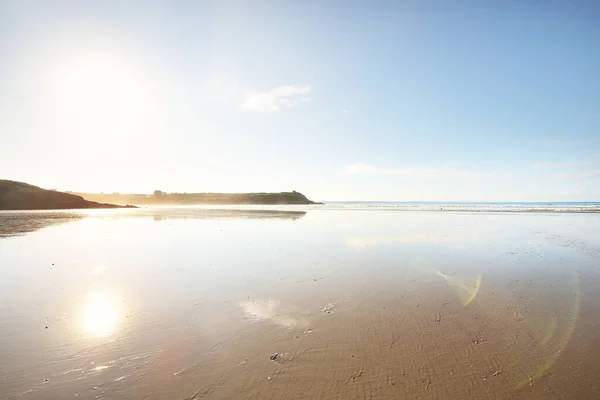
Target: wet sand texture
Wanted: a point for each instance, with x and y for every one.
(327, 304)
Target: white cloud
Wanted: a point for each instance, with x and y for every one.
(276, 99)
(366, 169)
(344, 110)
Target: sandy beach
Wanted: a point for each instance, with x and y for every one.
(319, 304)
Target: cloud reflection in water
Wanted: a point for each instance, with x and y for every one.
(270, 310)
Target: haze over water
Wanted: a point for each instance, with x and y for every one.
(193, 303)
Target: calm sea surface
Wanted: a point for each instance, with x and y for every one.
(342, 300)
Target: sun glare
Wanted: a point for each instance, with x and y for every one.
(101, 92)
(101, 314)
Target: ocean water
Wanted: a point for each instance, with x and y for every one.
(324, 301)
(547, 207)
(471, 206)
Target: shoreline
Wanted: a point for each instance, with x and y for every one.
(322, 207)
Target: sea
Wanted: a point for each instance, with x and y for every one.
(469, 206)
(559, 207)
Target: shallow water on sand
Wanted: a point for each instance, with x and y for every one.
(196, 303)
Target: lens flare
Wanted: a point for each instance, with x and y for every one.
(557, 331)
(466, 287)
(538, 320)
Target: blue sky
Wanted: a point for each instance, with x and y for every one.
(413, 100)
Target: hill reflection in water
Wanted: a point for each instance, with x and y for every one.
(15, 223)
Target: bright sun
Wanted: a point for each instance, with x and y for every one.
(102, 95)
(99, 88)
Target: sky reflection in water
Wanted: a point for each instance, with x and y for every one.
(135, 280)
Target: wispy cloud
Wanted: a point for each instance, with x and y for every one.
(276, 99)
(455, 164)
(553, 164)
(585, 161)
(558, 140)
(344, 110)
(581, 174)
(366, 169)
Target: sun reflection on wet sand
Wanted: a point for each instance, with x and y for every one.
(101, 314)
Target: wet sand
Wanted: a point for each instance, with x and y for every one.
(349, 305)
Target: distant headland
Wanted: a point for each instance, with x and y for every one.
(22, 196)
(161, 198)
